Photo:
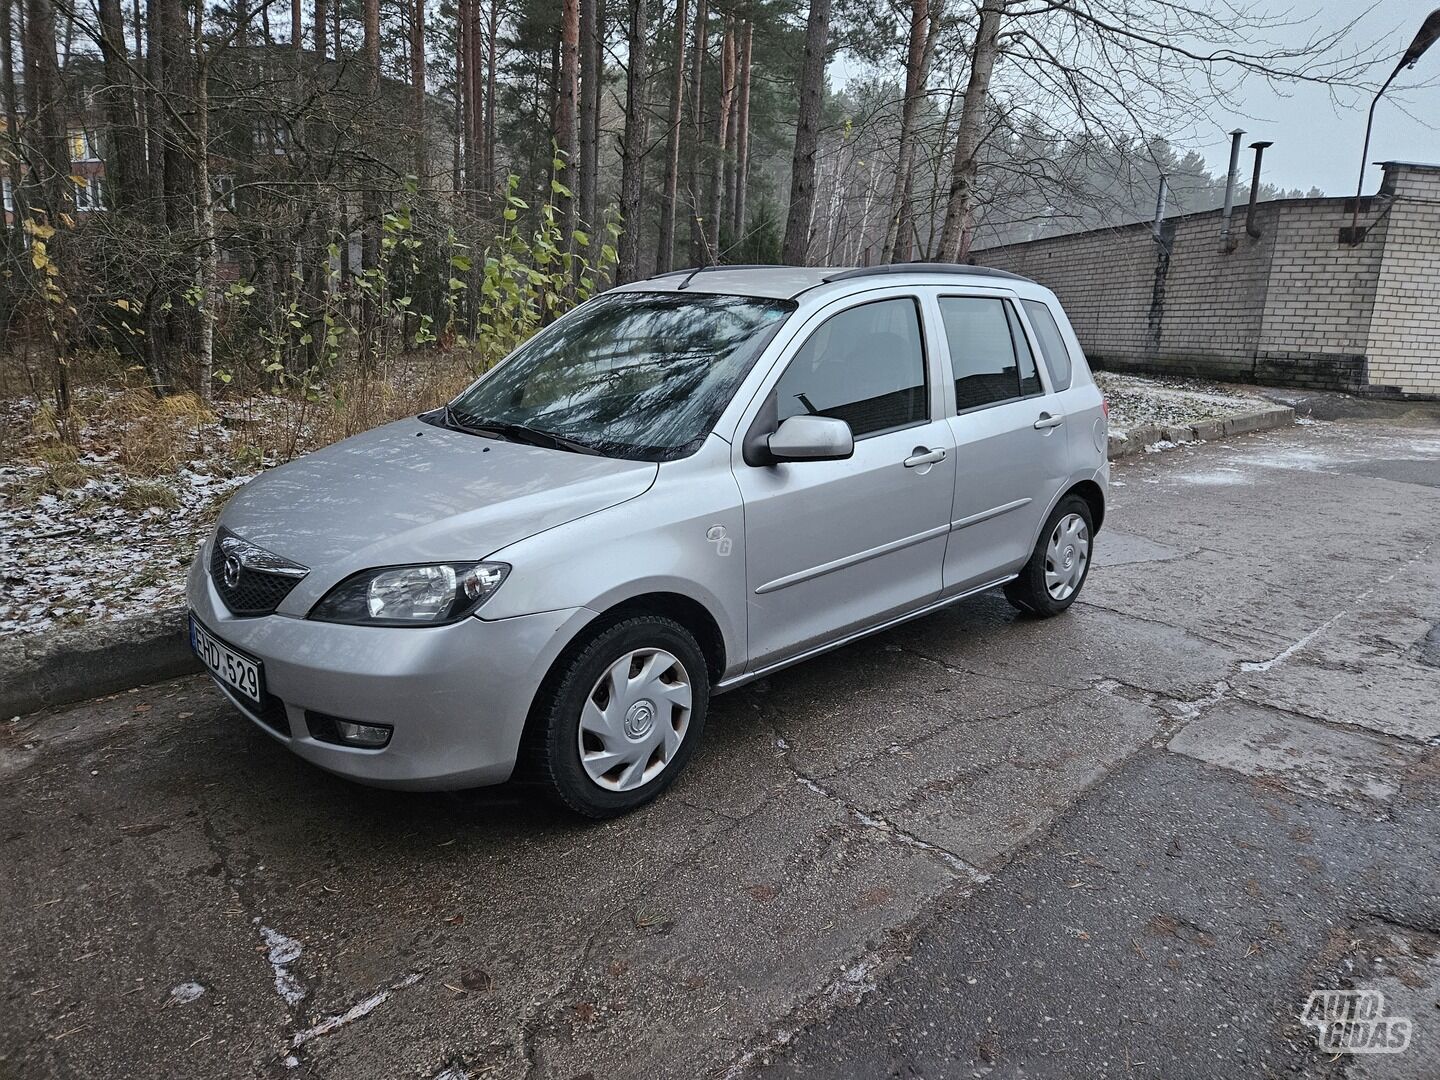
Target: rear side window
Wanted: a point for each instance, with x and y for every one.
(989, 355)
(865, 366)
(1052, 342)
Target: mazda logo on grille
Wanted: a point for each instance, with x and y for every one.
(231, 571)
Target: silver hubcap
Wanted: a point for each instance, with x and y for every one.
(1066, 557)
(635, 719)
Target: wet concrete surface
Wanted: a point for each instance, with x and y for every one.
(1221, 769)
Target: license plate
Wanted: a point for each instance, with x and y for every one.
(240, 673)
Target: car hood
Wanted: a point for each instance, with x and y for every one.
(410, 492)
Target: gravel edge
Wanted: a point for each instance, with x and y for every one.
(1139, 438)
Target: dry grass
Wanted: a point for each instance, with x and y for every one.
(153, 435)
(59, 472)
(141, 495)
(359, 404)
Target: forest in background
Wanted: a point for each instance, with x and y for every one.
(297, 198)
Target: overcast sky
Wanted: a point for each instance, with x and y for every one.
(1317, 139)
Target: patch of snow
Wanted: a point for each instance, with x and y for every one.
(284, 951)
(78, 555)
(1136, 400)
(187, 992)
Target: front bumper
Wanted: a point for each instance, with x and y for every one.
(456, 696)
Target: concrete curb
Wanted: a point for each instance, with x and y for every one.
(38, 671)
(1138, 438)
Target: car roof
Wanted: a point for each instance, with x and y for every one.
(788, 282)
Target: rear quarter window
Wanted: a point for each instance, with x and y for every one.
(1052, 342)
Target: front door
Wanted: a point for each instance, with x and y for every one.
(1010, 442)
(835, 546)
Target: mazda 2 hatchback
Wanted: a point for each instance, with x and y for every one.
(680, 486)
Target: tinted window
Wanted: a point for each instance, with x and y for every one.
(865, 366)
(1052, 342)
(639, 374)
(990, 357)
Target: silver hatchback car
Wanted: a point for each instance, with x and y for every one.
(682, 485)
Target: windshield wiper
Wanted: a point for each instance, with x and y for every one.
(497, 429)
(537, 437)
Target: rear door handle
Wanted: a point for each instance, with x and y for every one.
(921, 456)
(1048, 421)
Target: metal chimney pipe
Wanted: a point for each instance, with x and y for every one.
(1250, 229)
(1160, 206)
(1230, 189)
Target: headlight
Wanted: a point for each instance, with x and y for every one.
(411, 595)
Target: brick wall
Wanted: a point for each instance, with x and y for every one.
(1297, 305)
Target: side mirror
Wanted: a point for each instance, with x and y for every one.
(811, 438)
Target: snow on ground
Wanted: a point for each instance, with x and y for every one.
(1136, 401)
(100, 543)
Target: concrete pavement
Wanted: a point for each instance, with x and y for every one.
(977, 844)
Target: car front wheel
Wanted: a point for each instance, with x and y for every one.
(620, 717)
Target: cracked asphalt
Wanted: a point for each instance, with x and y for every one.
(1126, 842)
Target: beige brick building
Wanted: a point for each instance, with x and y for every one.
(1297, 305)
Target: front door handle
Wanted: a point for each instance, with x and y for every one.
(922, 456)
(1048, 421)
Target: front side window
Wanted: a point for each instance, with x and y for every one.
(989, 355)
(865, 366)
(633, 374)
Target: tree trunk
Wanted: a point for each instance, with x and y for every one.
(126, 165)
(338, 26)
(465, 28)
(665, 253)
(742, 138)
(916, 70)
(207, 271)
(807, 136)
(955, 237)
(492, 46)
(632, 177)
(297, 25)
(566, 93)
(718, 163)
(370, 202)
(12, 123)
(417, 87)
(589, 110)
(49, 152)
(320, 16)
(49, 161)
(698, 255)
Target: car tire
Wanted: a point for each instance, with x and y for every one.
(1059, 565)
(580, 724)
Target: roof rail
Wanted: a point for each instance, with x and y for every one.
(926, 268)
(691, 271)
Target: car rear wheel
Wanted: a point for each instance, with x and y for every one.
(1060, 563)
(620, 717)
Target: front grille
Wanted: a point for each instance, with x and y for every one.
(253, 591)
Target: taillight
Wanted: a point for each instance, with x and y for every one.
(1105, 407)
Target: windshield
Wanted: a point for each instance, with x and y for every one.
(631, 374)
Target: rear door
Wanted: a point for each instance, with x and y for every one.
(1010, 442)
(834, 546)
